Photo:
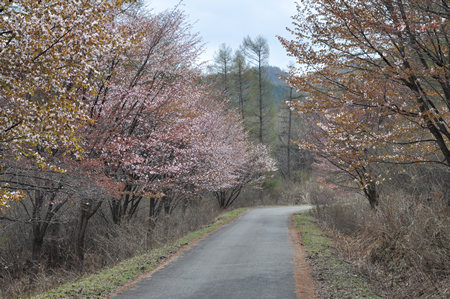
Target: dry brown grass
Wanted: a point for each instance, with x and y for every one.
(106, 245)
(403, 247)
(406, 243)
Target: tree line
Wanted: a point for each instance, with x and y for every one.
(102, 103)
(257, 90)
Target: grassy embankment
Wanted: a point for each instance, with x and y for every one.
(334, 276)
(107, 281)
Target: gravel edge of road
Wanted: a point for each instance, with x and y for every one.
(304, 285)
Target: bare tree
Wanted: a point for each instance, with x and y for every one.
(257, 51)
(222, 65)
(240, 70)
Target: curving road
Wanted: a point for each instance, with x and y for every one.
(249, 258)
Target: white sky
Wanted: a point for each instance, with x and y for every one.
(229, 21)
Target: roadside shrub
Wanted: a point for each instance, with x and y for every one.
(346, 218)
(273, 185)
(407, 241)
(301, 176)
(292, 194)
(403, 246)
(335, 209)
(106, 244)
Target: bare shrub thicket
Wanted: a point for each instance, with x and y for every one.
(337, 209)
(106, 243)
(403, 246)
(292, 193)
(406, 247)
(281, 192)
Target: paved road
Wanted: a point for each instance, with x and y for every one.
(249, 258)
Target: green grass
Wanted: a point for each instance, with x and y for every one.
(335, 274)
(105, 282)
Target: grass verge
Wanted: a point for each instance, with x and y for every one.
(105, 282)
(332, 273)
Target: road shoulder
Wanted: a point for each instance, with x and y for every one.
(332, 276)
(304, 287)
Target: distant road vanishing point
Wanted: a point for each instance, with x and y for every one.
(252, 257)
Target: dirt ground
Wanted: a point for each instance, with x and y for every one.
(303, 279)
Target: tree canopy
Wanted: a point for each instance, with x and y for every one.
(376, 75)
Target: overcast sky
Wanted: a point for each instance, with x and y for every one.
(229, 21)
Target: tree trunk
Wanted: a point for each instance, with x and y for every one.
(38, 235)
(372, 195)
(40, 223)
(289, 139)
(82, 234)
(87, 210)
(227, 198)
(151, 222)
(38, 241)
(260, 101)
(241, 91)
(435, 126)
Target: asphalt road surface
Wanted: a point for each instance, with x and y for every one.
(249, 258)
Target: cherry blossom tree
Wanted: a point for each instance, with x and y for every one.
(51, 56)
(49, 50)
(377, 76)
(258, 163)
(118, 114)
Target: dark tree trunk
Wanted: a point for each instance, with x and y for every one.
(82, 225)
(260, 101)
(288, 148)
(241, 92)
(38, 236)
(38, 241)
(152, 212)
(87, 210)
(126, 206)
(40, 223)
(228, 197)
(435, 126)
(370, 191)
